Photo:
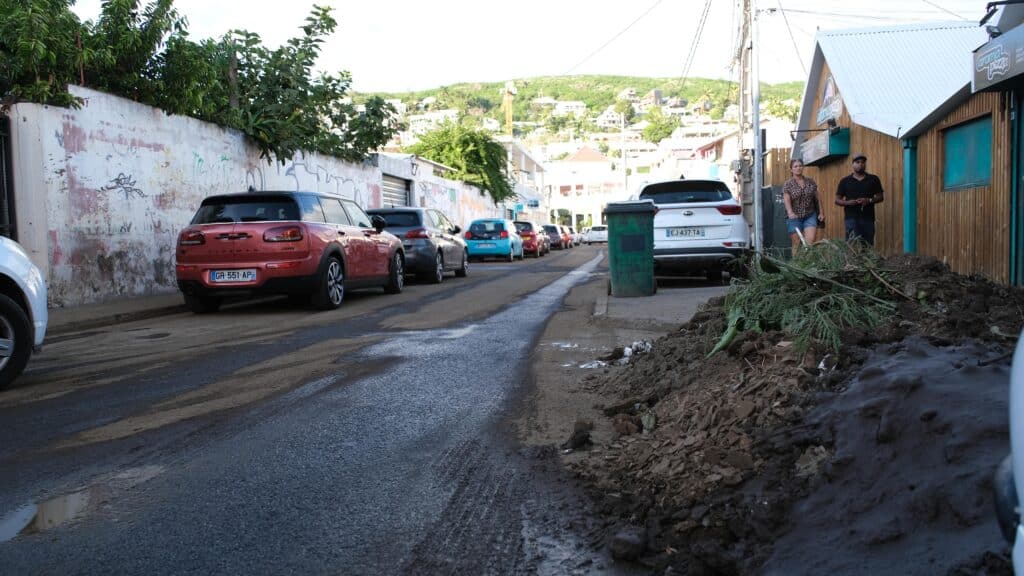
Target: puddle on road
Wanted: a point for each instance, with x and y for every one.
(44, 516)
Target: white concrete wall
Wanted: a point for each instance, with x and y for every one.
(101, 192)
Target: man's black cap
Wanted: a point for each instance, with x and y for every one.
(859, 157)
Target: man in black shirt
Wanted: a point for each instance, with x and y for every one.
(857, 194)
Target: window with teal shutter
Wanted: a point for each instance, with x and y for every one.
(968, 155)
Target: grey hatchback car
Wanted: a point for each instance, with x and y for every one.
(432, 243)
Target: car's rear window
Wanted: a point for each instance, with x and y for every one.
(487, 226)
(686, 192)
(242, 209)
(598, 228)
(524, 227)
(550, 228)
(399, 219)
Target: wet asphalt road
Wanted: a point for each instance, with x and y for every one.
(391, 458)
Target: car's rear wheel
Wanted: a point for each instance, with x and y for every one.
(511, 254)
(461, 272)
(438, 275)
(200, 304)
(15, 340)
(331, 290)
(715, 275)
(396, 275)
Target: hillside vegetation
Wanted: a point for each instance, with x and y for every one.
(598, 92)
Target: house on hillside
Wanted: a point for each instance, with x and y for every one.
(609, 118)
(583, 183)
(902, 96)
(575, 107)
(651, 99)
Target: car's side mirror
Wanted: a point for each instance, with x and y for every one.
(456, 229)
(378, 223)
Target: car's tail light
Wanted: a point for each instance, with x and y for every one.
(469, 235)
(283, 265)
(730, 210)
(417, 233)
(504, 234)
(179, 268)
(283, 234)
(527, 235)
(191, 238)
(735, 244)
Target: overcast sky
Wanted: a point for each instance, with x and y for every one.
(398, 45)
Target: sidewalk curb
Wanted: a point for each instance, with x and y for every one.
(111, 319)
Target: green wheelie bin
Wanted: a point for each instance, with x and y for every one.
(631, 248)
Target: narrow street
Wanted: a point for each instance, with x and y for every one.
(268, 438)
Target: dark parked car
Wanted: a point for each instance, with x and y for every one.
(555, 236)
(432, 243)
(303, 244)
(535, 241)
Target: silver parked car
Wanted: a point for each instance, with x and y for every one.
(23, 313)
(432, 243)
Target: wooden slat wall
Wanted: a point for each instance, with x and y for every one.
(885, 160)
(968, 229)
(776, 167)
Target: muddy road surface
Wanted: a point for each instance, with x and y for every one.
(268, 438)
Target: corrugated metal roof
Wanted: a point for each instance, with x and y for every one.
(896, 79)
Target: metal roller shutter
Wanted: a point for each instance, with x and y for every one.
(395, 191)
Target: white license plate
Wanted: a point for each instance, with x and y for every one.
(684, 232)
(485, 245)
(247, 275)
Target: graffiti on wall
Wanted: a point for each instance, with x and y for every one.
(120, 182)
(126, 185)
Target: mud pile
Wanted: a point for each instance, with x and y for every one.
(875, 459)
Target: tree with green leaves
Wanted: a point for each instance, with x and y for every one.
(787, 110)
(625, 107)
(659, 125)
(143, 52)
(477, 158)
(39, 53)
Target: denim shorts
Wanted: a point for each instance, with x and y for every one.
(809, 221)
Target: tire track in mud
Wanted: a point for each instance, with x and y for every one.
(511, 512)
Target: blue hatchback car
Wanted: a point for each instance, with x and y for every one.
(494, 237)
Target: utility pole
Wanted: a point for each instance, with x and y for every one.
(755, 109)
(748, 130)
(622, 148)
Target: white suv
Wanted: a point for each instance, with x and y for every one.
(699, 226)
(23, 313)
(597, 233)
(1008, 484)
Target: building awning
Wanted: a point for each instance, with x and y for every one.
(999, 60)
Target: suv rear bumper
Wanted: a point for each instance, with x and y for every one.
(697, 258)
(288, 285)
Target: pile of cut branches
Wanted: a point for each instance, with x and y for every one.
(827, 288)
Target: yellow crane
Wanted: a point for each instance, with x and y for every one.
(506, 101)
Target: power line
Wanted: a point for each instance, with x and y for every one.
(933, 4)
(792, 38)
(696, 41)
(612, 39)
(848, 15)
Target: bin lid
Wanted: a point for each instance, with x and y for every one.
(632, 207)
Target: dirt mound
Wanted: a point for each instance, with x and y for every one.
(876, 456)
